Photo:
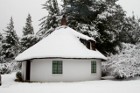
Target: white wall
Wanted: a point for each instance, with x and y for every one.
(24, 70)
(73, 70)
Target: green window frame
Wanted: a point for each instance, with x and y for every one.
(57, 67)
(93, 67)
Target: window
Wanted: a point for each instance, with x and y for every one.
(57, 67)
(90, 44)
(93, 67)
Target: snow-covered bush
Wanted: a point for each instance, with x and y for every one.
(19, 76)
(126, 64)
(6, 68)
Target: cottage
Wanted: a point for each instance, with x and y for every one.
(64, 55)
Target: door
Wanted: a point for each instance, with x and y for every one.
(28, 67)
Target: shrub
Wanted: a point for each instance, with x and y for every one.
(8, 67)
(19, 76)
(5, 70)
(104, 70)
(124, 65)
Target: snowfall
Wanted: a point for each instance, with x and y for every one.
(98, 86)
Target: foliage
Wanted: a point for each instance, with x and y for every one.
(28, 29)
(131, 30)
(101, 19)
(10, 43)
(109, 28)
(9, 67)
(19, 76)
(126, 64)
(28, 39)
(5, 71)
(52, 19)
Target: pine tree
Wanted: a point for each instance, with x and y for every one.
(28, 41)
(29, 38)
(79, 13)
(10, 44)
(100, 19)
(50, 21)
(131, 30)
(109, 24)
(28, 29)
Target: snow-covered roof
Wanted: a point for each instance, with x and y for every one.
(62, 43)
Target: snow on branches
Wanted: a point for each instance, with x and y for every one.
(126, 64)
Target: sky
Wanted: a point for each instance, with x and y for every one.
(131, 6)
(19, 10)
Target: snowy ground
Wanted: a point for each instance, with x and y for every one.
(101, 86)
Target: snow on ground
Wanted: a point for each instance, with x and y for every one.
(100, 86)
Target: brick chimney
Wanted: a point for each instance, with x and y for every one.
(63, 20)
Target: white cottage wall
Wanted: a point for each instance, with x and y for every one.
(24, 70)
(73, 70)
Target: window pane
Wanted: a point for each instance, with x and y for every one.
(93, 67)
(54, 67)
(57, 67)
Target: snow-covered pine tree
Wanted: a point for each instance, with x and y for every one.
(10, 43)
(100, 19)
(80, 15)
(29, 38)
(109, 24)
(131, 30)
(51, 21)
(28, 29)
(28, 41)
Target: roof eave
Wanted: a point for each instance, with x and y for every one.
(60, 58)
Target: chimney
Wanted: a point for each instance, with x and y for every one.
(63, 20)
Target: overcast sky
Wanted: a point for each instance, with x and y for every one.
(19, 10)
(131, 6)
